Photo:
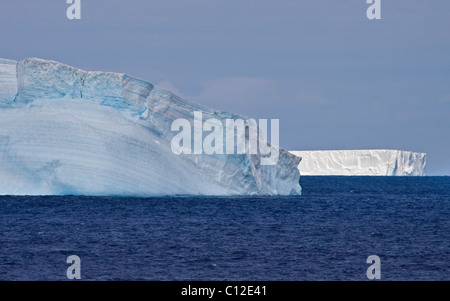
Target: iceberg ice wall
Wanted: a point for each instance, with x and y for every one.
(361, 163)
(8, 81)
(67, 131)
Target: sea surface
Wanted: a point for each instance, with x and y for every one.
(326, 234)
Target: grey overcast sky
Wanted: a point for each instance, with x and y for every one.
(335, 79)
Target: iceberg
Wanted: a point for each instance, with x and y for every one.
(65, 131)
(8, 81)
(361, 163)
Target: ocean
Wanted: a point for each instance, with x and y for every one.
(326, 234)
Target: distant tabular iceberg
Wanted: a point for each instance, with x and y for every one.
(361, 163)
(67, 131)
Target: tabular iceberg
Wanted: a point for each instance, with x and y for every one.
(361, 163)
(67, 131)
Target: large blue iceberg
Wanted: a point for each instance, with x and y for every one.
(64, 131)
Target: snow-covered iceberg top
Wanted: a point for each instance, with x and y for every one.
(361, 163)
(67, 131)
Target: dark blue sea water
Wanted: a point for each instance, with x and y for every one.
(326, 234)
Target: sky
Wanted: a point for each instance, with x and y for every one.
(334, 78)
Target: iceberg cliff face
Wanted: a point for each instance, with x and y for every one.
(361, 163)
(67, 131)
(8, 81)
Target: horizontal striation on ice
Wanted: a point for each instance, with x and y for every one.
(40, 79)
(378, 162)
(67, 131)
